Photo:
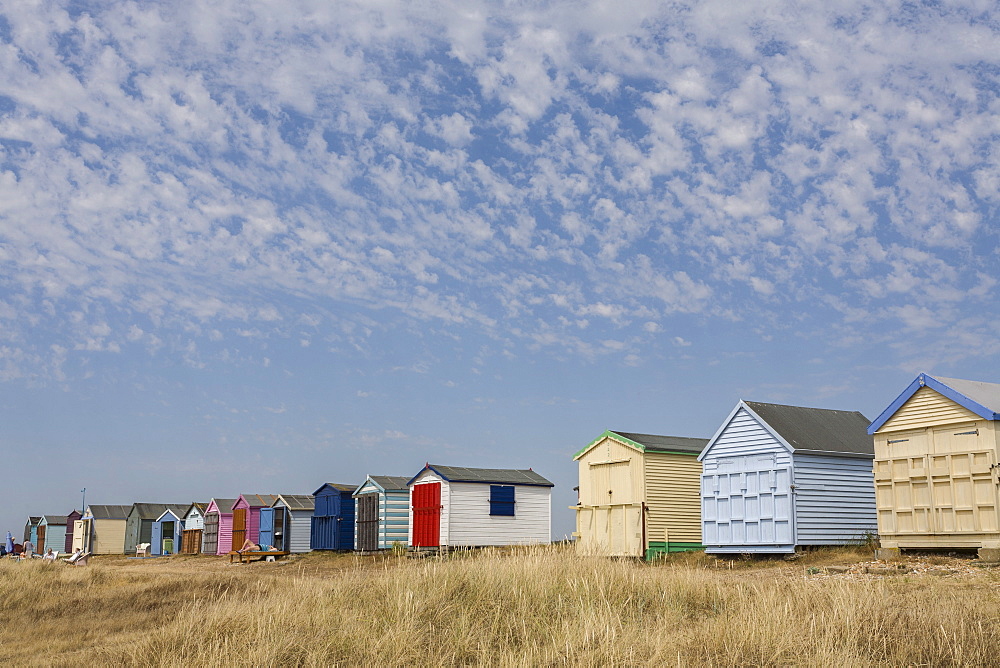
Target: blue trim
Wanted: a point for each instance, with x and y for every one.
(939, 387)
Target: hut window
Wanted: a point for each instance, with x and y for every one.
(502, 500)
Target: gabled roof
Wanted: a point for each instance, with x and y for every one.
(223, 505)
(801, 429)
(495, 476)
(53, 519)
(197, 505)
(337, 486)
(152, 511)
(297, 501)
(386, 483)
(34, 519)
(257, 500)
(109, 512)
(171, 510)
(681, 445)
(981, 398)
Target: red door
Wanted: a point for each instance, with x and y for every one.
(426, 500)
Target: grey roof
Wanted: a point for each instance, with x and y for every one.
(224, 505)
(338, 486)
(298, 501)
(985, 394)
(54, 519)
(258, 500)
(109, 512)
(152, 511)
(391, 482)
(34, 519)
(500, 476)
(817, 429)
(655, 443)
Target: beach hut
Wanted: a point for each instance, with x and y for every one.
(71, 520)
(31, 529)
(639, 495)
(937, 448)
(333, 517)
(51, 533)
(383, 512)
(101, 529)
(246, 517)
(218, 536)
(778, 477)
(139, 523)
(194, 527)
(453, 506)
(165, 537)
(289, 522)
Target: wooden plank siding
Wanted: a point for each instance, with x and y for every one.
(673, 498)
(471, 525)
(927, 408)
(825, 483)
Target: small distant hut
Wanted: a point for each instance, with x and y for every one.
(101, 530)
(218, 536)
(288, 522)
(383, 512)
(139, 523)
(452, 506)
(333, 517)
(71, 520)
(194, 528)
(246, 517)
(165, 537)
(31, 529)
(51, 533)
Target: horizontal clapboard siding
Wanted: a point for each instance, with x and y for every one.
(834, 500)
(394, 518)
(927, 408)
(470, 522)
(673, 497)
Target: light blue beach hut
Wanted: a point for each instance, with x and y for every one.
(167, 532)
(778, 477)
(383, 512)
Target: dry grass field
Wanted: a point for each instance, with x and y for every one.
(538, 606)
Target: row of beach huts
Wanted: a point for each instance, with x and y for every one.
(442, 506)
(925, 474)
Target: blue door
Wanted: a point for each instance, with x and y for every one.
(747, 506)
(266, 526)
(156, 540)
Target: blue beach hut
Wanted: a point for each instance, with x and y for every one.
(333, 518)
(778, 477)
(167, 532)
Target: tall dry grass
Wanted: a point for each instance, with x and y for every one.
(541, 606)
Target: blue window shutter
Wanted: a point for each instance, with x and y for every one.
(502, 500)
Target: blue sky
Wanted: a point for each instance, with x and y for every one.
(257, 247)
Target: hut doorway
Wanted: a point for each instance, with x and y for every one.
(426, 515)
(239, 527)
(210, 540)
(368, 522)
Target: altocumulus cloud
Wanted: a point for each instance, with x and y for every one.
(177, 173)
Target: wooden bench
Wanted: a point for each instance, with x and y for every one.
(261, 554)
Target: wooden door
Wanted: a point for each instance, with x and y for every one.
(747, 501)
(239, 527)
(40, 546)
(210, 539)
(191, 541)
(426, 504)
(368, 522)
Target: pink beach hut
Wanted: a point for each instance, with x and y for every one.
(246, 517)
(218, 534)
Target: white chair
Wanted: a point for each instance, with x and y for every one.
(142, 550)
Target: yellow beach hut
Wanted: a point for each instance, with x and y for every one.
(639, 495)
(936, 467)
